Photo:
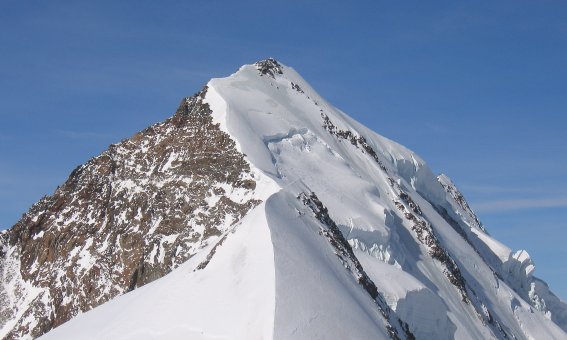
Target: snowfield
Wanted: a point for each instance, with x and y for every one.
(283, 272)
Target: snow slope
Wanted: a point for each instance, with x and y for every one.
(232, 297)
(356, 238)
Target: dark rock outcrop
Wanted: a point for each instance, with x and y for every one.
(269, 67)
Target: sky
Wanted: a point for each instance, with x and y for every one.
(478, 89)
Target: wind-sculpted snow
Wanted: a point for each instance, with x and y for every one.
(382, 197)
(514, 268)
(285, 218)
(343, 250)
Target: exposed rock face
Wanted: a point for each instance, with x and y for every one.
(123, 219)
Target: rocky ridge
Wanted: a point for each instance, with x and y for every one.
(123, 219)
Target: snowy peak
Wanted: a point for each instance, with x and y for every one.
(272, 68)
(269, 67)
(259, 210)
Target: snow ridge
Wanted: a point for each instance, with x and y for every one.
(317, 228)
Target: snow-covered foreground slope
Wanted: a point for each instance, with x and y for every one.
(236, 296)
(355, 238)
(231, 297)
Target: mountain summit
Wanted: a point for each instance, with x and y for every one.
(260, 211)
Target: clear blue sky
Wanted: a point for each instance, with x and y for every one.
(478, 89)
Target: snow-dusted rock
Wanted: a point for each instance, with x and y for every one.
(302, 224)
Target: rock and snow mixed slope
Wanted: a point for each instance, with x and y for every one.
(279, 217)
(123, 219)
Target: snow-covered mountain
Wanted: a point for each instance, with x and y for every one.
(260, 211)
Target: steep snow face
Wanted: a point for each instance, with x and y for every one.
(355, 238)
(315, 295)
(399, 217)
